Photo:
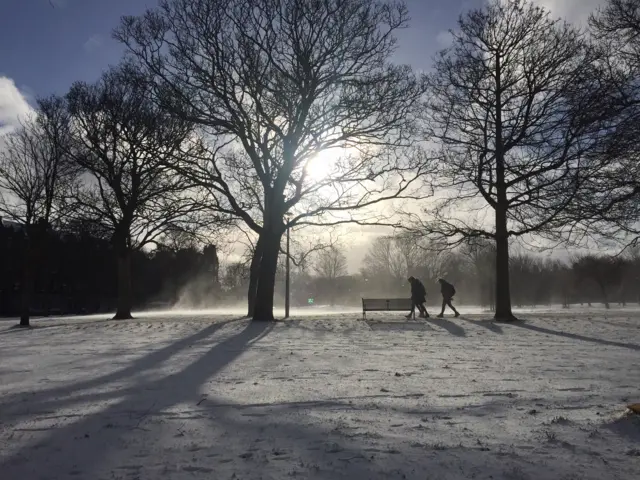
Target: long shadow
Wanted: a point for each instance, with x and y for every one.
(575, 336)
(488, 324)
(321, 452)
(82, 446)
(47, 399)
(35, 327)
(452, 328)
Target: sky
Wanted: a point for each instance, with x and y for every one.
(46, 45)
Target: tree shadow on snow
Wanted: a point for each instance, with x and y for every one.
(488, 324)
(47, 401)
(574, 336)
(449, 326)
(78, 453)
(51, 324)
(322, 446)
(411, 326)
(236, 437)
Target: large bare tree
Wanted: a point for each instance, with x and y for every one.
(610, 200)
(278, 83)
(123, 142)
(509, 111)
(34, 170)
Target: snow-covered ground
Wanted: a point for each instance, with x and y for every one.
(200, 395)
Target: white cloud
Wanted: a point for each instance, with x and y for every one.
(13, 105)
(94, 43)
(572, 10)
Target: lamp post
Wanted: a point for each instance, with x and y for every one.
(287, 278)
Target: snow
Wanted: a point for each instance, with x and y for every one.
(184, 395)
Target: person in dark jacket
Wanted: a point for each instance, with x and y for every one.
(448, 291)
(418, 297)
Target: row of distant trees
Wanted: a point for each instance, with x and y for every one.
(76, 273)
(390, 260)
(525, 126)
(535, 280)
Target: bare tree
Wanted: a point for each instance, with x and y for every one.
(34, 170)
(384, 261)
(509, 111)
(610, 200)
(123, 142)
(277, 83)
(331, 263)
(606, 272)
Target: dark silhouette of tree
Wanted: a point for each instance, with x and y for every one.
(330, 264)
(305, 242)
(385, 263)
(34, 170)
(509, 109)
(123, 142)
(610, 199)
(276, 83)
(235, 279)
(606, 272)
(391, 259)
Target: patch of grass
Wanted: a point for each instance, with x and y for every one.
(515, 473)
(560, 421)
(550, 436)
(439, 446)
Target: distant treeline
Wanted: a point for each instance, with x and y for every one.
(75, 273)
(535, 280)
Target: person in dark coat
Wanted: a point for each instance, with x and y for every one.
(448, 291)
(418, 297)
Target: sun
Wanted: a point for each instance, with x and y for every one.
(324, 163)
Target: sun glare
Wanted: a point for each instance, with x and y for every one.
(324, 163)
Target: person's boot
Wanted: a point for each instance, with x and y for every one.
(457, 314)
(409, 316)
(441, 315)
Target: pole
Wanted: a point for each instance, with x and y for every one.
(287, 280)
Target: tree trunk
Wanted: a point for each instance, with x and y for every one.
(605, 297)
(503, 291)
(263, 308)
(123, 311)
(254, 271)
(27, 285)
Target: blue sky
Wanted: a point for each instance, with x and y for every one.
(45, 45)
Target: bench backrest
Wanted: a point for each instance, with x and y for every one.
(381, 304)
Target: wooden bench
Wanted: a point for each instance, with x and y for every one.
(386, 305)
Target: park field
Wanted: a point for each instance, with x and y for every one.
(184, 395)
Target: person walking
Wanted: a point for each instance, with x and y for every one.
(418, 298)
(448, 291)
